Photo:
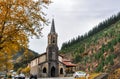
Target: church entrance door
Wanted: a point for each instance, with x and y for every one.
(53, 71)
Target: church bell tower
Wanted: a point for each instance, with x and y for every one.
(52, 52)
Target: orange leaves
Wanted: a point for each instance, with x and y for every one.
(26, 70)
(19, 20)
(46, 1)
(22, 2)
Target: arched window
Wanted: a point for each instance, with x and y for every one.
(44, 70)
(61, 70)
(53, 41)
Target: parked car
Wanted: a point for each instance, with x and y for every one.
(33, 76)
(79, 74)
(2, 76)
(17, 77)
(21, 76)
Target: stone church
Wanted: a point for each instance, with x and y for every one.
(51, 63)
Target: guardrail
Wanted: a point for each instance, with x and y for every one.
(102, 76)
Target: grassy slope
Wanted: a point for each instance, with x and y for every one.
(98, 52)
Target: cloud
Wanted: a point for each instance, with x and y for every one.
(75, 17)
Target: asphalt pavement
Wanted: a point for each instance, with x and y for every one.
(56, 78)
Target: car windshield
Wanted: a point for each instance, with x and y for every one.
(80, 72)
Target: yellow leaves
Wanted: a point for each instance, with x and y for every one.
(5, 62)
(26, 70)
(19, 19)
(19, 70)
(22, 2)
(91, 76)
(46, 1)
(9, 66)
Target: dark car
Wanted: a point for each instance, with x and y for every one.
(33, 77)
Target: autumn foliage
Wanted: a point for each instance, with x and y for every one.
(19, 19)
(26, 70)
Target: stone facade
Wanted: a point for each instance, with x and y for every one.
(50, 63)
(47, 68)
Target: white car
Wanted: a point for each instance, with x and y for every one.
(17, 76)
(22, 75)
(79, 74)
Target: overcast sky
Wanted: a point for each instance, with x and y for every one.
(73, 18)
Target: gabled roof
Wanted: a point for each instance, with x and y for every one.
(38, 56)
(68, 63)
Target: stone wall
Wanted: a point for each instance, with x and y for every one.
(34, 62)
(42, 58)
(34, 70)
(61, 66)
(42, 72)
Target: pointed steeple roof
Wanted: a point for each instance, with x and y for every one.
(52, 27)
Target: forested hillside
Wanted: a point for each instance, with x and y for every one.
(21, 60)
(98, 50)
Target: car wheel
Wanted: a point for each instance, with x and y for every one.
(76, 76)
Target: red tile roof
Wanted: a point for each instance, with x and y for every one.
(68, 63)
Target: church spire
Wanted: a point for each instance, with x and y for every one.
(52, 27)
(52, 36)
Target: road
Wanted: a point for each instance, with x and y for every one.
(58, 78)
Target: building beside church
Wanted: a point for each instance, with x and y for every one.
(51, 63)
